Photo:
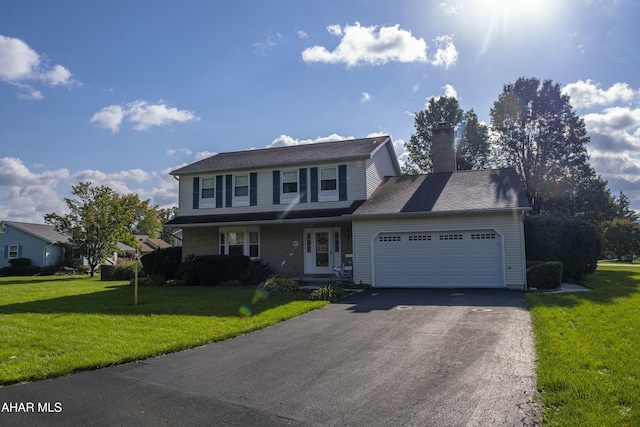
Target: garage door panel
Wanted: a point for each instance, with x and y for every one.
(439, 259)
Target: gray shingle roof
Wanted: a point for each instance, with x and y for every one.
(307, 153)
(42, 231)
(497, 189)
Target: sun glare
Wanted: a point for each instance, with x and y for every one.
(487, 20)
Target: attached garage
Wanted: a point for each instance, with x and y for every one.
(449, 258)
(453, 230)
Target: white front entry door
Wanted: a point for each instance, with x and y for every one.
(322, 250)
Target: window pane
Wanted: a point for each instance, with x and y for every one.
(208, 188)
(328, 185)
(253, 237)
(236, 249)
(253, 251)
(290, 187)
(290, 176)
(328, 173)
(13, 251)
(242, 180)
(235, 238)
(242, 191)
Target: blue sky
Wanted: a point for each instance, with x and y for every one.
(120, 93)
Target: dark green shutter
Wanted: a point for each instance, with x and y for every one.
(219, 191)
(229, 193)
(276, 187)
(303, 185)
(314, 185)
(196, 192)
(6, 251)
(342, 182)
(253, 189)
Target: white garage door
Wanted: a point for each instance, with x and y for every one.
(439, 259)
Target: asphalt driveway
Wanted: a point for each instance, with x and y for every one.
(380, 358)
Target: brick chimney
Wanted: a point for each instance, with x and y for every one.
(443, 155)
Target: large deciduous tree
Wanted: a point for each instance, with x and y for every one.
(537, 131)
(472, 149)
(97, 221)
(442, 109)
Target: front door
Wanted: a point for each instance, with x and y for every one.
(322, 250)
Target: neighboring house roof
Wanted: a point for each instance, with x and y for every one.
(496, 189)
(185, 221)
(45, 232)
(157, 243)
(298, 154)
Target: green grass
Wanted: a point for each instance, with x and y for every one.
(52, 326)
(588, 349)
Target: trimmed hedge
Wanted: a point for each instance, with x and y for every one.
(574, 242)
(215, 269)
(162, 262)
(20, 267)
(545, 275)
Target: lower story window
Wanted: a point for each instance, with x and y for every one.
(240, 241)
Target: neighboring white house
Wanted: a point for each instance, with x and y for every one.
(41, 243)
(309, 208)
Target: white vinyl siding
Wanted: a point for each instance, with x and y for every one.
(507, 224)
(355, 191)
(379, 166)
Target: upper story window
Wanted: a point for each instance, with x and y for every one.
(290, 181)
(208, 192)
(241, 190)
(328, 184)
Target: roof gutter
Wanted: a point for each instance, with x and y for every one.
(436, 213)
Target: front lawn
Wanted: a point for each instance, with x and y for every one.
(51, 326)
(588, 349)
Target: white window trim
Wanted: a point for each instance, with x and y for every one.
(327, 195)
(290, 197)
(247, 239)
(240, 200)
(207, 202)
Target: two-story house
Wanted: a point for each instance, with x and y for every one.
(308, 208)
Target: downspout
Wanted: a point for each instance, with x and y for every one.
(524, 252)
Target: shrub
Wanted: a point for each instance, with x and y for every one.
(547, 275)
(22, 267)
(163, 262)
(574, 242)
(332, 292)
(187, 271)
(126, 270)
(149, 281)
(256, 272)
(282, 284)
(214, 269)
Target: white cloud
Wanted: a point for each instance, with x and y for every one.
(145, 115)
(173, 151)
(369, 45)
(271, 41)
(587, 94)
(366, 97)
(286, 140)
(22, 67)
(109, 117)
(450, 91)
(142, 114)
(450, 9)
(446, 53)
(302, 34)
(204, 154)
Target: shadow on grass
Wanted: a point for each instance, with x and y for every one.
(187, 301)
(606, 286)
(26, 280)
